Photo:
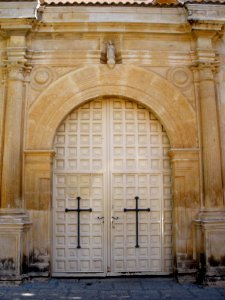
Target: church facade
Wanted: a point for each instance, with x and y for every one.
(112, 139)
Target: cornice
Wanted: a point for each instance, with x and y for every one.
(15, 9)
(210, 13)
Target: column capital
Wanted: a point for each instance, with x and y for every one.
(16, 62)
(181, 154)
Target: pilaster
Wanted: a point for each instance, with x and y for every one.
(186, 196)
(209, 224)
(14, 118)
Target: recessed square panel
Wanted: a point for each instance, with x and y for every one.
(85, 139)
(60, 240)
(60, 265)
(97, 115)
(84, 127)
(117, 115)
(117, 139)
(143, 152)
(141, 115)
(97, 152)
(97, 127)
(142, 139)
(156, 151)
(129, 115)
(142, 127)
(155, 164)
(84, 151)
(59, 164)
(60, 151)
(118, 151)
(130, 127)
(117, 104)
(154, 139)
(118, 127)
(97, 104)
(60, 139)
(154, 126)
(143, 164)
(130, 180)
(73, 116)
(129, 104)
(118, 164)
(72, 139)
(72, 127)
(97, 164)
(85, 115)
(130, 164)
(130, 139)
(61, 128)
(72, 163)
(60, 252)
(72, 151)
(61, 180)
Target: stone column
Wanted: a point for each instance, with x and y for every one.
(2, 117)
(210, 134)
(210, 222)
(14, 118)
(211, 150)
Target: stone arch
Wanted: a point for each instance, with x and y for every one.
(170, 106)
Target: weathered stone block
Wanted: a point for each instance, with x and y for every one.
(14, 240)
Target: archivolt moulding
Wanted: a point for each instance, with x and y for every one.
(89, 82)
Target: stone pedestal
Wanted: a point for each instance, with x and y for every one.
(210, 246)
(14, 240)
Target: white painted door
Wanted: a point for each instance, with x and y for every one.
(139, 167)
(108, 152)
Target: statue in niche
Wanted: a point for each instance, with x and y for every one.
(111, 54)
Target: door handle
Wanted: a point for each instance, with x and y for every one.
(114, 218)
(101, 219)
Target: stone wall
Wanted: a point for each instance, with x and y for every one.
(55, 59)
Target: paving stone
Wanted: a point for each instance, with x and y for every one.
(110, 288)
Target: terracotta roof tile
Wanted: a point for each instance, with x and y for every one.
(205, 1)
(128, 2)
(110, 2)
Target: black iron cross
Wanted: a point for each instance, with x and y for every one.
(78, 209)
(137, 211)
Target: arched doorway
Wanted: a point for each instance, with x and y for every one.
(109, 151)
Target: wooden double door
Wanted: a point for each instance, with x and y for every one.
(108, 153)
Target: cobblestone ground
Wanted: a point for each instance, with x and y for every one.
(110, 288)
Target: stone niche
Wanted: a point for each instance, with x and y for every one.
(14, 240)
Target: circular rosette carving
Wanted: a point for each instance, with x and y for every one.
(41, 77)
(180, 77)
